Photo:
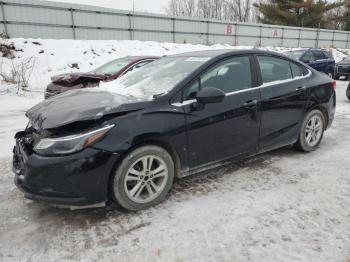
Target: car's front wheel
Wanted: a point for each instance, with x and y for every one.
(311, 132)
(143, 178)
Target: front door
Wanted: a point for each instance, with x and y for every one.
(229, 128)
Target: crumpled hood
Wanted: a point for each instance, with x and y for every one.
(74, 78)
(80, 105)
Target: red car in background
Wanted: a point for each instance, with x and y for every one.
(107, 72)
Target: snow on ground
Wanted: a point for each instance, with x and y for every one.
(279, 206)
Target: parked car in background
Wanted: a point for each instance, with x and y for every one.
(177, 116)
(319, 59)
(107, 72)
(342, 68)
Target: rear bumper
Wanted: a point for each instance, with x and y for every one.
(75, 180)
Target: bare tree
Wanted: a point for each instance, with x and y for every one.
(232, 10)
(335, 18)
(18, 72)
(238, 10)
(181, 8)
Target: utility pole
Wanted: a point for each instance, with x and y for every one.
(133, 6)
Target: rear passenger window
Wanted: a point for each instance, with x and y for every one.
(296, 70)
(319, 55)
(328, 54)
(274, 69)
(308, 57)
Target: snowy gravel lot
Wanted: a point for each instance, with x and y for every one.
(279, 206)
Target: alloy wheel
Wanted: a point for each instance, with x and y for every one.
(313, 130)
(146, 179)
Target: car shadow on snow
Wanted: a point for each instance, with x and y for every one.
(195, 185)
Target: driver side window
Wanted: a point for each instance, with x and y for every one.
(231, 75)
(308, 57)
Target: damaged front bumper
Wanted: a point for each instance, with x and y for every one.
(74, 180)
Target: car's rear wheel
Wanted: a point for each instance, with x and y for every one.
(311, 132)
(143, 178)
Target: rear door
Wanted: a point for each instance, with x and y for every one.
(330, 62)
(321, 61)
(284, 98)
(227, 129)
(309, 59)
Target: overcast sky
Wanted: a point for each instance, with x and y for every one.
(152, 6)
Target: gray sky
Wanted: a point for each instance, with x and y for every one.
(152, 6)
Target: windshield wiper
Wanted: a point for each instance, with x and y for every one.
(158, 95)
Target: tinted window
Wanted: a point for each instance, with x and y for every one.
(231, 75)
(191, 91)
(113, 66)
(296, 70)
(309, 56)
(138, 65)
(319, 55)
(328, 54)
(274, 69)
(295, 54)
(142, 63)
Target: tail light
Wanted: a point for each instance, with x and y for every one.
(334, 84)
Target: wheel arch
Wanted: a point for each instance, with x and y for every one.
(323, 111)
(147, 142)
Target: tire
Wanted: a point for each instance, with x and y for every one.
(348, 91)
(336, 77)
(134, 180)
(306, 143)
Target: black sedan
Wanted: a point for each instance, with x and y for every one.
(177, 116)
(342, 68)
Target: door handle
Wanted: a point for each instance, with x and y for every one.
(300, 89)
(250, 103)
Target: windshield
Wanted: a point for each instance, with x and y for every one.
(113, 66)
(156, 78)
(295, 54)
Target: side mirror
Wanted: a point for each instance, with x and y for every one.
(209, 95)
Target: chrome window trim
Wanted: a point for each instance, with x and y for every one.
(188, 102)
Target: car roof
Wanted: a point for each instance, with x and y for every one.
(218, 52)
(308, 49)
(142, 57)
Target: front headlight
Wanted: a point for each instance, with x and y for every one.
(70, 144)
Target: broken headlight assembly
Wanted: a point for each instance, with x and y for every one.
(70, 144)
